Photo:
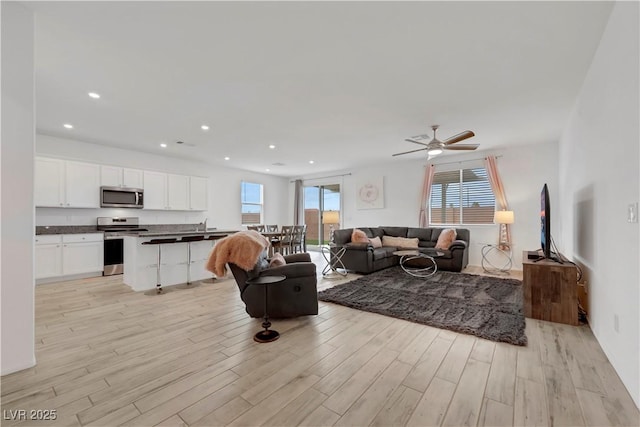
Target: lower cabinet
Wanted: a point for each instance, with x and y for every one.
(62, 255)
(48, 256)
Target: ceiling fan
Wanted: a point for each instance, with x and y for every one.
(435, 146)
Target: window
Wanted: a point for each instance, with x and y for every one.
(462, 196)
(251, 198)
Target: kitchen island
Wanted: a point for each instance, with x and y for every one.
(140, 261)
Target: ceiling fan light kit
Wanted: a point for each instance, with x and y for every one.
(435, 146)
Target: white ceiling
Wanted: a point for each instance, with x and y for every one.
(339, 83)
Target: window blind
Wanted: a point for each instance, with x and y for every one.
(462, 196)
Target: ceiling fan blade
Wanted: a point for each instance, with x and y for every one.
(415, 142)
(407, 152)
(459, 137)
(461, 147)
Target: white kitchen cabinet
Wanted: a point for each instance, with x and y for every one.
(115, 176)
(64, 183)
(82, 256)
(177, 192)
(166, 191)
(49, 182)
(198, 192)
(82, 185)
(155, 190)
(59, 255)
(48, 256)
(132, 178)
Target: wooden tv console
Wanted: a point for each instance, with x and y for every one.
(550, 290)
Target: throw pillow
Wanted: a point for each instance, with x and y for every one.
(400, 242)
(277, 260)
(359, 236)
(445, 239)
(375, 242)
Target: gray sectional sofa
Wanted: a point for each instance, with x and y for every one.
(363, 258)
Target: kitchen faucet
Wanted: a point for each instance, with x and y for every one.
(204, 225)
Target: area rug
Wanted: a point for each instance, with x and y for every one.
(487, 307)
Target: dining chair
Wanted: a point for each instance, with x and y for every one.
(283, 243)
(297, 241)
(259, 228)
(272, 228)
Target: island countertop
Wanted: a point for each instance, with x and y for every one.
(181, 233)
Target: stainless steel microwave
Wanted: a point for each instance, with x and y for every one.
(121, 197)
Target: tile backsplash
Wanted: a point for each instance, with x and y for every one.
(58, 216)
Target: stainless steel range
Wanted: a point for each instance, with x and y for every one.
(114, 231)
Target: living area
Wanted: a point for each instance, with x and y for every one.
(95, 352)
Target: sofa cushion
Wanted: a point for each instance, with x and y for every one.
(400, 242)
(375, 242)
(394, 231)
(446, 237)
(359, 236)
(277, 260)
(426, 244)
(342, 236)
(383, 252)
(420, 233)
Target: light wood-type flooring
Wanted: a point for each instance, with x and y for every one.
(108, 356)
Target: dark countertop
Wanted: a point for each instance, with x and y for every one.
(154, 230)
(66, 229)
(144, 234)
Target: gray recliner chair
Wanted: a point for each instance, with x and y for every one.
(296, 296)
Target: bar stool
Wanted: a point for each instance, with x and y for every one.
(213, 237)
(159, 243)
(188, 240)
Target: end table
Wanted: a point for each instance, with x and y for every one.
(333, 256)
(503, 255)
(267, 335)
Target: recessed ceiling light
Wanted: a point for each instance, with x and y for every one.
(311, 162)
(204, 127)
(94, 95)
(68, 126)
(163, 145)
(272, 146)
(227, 158)
(267, 169)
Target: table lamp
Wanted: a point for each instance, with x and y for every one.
(331, 218)
(503, 218)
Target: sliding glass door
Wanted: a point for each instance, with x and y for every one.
(321, 212)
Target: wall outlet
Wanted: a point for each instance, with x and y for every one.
(632, 212)
(616, 323)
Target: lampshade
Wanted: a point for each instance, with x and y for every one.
(503, 217)
(330, 217)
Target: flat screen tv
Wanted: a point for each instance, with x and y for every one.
(545, 224)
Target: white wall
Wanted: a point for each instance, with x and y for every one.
(524, 170)
(224, 187)
(599, 162)
(18, 344)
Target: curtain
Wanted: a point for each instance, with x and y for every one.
(423, 218)
(297, 202)
(498, 192)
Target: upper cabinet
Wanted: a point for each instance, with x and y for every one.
(49, 182)
(115, 176)
(64, 183)
(178, 192)
(71, 184)
(155, 190)
(82, 184)
(164, 191)
(198, 192)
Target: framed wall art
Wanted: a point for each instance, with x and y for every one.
(370, 193)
